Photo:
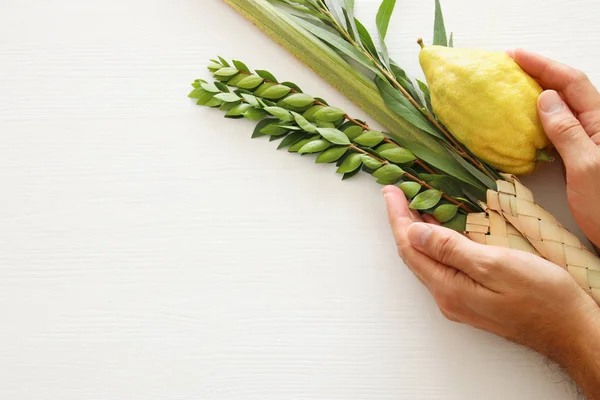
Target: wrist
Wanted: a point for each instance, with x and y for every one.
(580, 355)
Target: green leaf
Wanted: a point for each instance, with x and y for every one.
(389, 173)
(339, 44)
(293, 86)
(369, 138)
(266, 75)
(336, 10)
(351, 163)
(426, 94)
(261, 125)
(300, 100)
(250, 82)
(252, 100)
(398, 155)
(263, 88)
(299, 144)
(226, 72)
(410, 189)
(291, 139)
(213, 102)
(323, 124)
(445, 212)
(227, 97)
(241, 66)
(334, 136)
(483, 178)
(383, 16)
(349, 9)
(370, 162)
(315, 146)
(196, 93)
(439, 29)
(405, 81)
(331, 155)
(274, 129)
(445, 183)
(309, 114)
(349, 175)
(353, 132)
(458, 223)
(280, 113)
(275, 92)
(303, 123)
(382, 21)
(401, 106)
(254, 114)
(222, 87)
(238, 111)
(366, 39)
(204, 98)
(425, 200)
(223, 61)
(210, 87)
(228, 106)
(329, 114)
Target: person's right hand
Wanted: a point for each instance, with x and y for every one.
(569, 109)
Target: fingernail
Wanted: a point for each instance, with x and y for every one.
(550, 102)
(418, 234)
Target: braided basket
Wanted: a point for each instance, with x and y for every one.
(514, 220)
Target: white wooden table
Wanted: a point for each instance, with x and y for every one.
(150, 250)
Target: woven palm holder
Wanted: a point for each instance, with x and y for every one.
(551, 240)
(492, 229)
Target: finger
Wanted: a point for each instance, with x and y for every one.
(399, 215)
(574, 85)
(454, 250)
(564, 130)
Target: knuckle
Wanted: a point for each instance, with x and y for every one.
(586, 166)
(578, 76)
(567, 128)
(445, 248)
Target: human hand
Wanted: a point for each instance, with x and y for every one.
(510, 293)
(570, 113)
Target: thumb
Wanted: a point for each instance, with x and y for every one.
(563, 129)
(455, 250)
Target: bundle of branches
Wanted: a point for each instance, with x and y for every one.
(434, 170)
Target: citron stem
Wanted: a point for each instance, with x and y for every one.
(420, 41)
(544, 156)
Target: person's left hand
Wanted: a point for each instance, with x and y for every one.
(510, 293)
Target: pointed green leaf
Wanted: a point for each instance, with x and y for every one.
(238, 111)
(254, 114)
(426, 94)
(252, 100)
(401, 106)
(274, 129)
(398, 155)
(366, 39)
(369, 138)
(370, 162)
(329, 114)
(303, 123)
(275, 92)
(204, 98)
(309, 114)
(382, 21)
(389, 173)
(315, 146)
(425, 200)
(458, 223)
(227, 97)
(210, 87)
(261, 125)
(266, 75)
(196, 93)
(350, 174)
(223, 61)
(445, 212)
(249, 82)
(241, 66)
(338, 43)
(331, 155)
(353, 132)
(334, 136)
(439, 29)
(351, 163)
(226, 72)
(293, 86)
(410, 189)
(299, 144)
(483, 178)
(291, 139)
(280, 113)
(300, 100)
(259, 91)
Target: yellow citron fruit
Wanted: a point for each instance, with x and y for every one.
(488, 103)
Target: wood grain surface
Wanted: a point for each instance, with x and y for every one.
(150, 250)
